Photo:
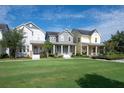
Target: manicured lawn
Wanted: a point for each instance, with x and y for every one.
(61, 73)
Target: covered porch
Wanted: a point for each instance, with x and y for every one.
(92, 49)
(36, 49)
(61, 49)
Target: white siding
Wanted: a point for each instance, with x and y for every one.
(85, 39)
(97, 36)
(31, 35)
(52, 38)
(65, 37)
(0, 35)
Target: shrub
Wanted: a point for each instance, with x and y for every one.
(4, 55)
(115, 56)
(109, 57)
(99, 57)
(43, 55)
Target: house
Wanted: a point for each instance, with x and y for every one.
(88, 42)
(3, 28)
(34, 37)
(63, 43)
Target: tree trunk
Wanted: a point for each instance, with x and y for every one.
(47, 54)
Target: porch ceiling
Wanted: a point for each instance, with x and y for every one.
(64, 43)
(36, 42)
(92, 44)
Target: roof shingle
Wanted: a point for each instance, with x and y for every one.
(84, 32)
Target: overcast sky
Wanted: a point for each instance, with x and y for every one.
(106, 19)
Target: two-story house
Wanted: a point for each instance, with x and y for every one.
(62, 42)
(3, 28)
(88, 42)
(34, 37)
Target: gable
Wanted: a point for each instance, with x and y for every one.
(31, 26)
(66, 32)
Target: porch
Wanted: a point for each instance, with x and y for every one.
(92, 49)
(62, 49)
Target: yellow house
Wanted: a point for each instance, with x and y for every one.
(88, 42)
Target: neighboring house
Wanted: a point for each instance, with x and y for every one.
(62, 42)
(34, 37)
(88, 42)
(3, 28)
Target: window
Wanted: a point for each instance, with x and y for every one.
(62, 38)
(95, 39)
(78, 39)
(69, 39)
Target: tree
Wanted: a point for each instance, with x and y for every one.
(12, 40)
(47, 46)
(116, 43)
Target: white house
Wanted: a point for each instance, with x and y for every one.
(3, 28)
(34, 37)
(63, 43)
(88, 42)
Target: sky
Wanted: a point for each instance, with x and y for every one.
(105, 19)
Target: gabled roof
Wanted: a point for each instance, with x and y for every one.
(30, 28)
(4, 27)
(84, 32)
(67, 32)
(52, 33)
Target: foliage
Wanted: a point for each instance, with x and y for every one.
(12, 40)
(47, 47)
(115, 56)
(3, 55)
(116, 43)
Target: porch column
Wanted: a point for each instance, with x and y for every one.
(87, 50)
(81, 49)
(53, 49)
(75, 50)
(61, 49)
(96, 50)
(68, 49)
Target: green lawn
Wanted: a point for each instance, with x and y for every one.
(61, 73)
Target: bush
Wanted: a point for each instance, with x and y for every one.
(99, 57)
(4, 55)
(109, 57)
(51, 55)
(43, 55)
(115, 56)
(58, 56)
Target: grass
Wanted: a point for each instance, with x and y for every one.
(69, 73)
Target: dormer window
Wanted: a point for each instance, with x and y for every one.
(95, 40)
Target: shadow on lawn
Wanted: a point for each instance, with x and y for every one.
(97, 81)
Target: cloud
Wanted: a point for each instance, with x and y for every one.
(4, 10)
(107, 23)
(59, 13)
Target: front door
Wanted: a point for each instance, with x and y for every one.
(35, 50)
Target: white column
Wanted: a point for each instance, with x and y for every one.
(87, 50)
(81, 49)
(53, 49)
(75, 50)
(68, 49)
(61, 49)
(30, 50)
(96, 50)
